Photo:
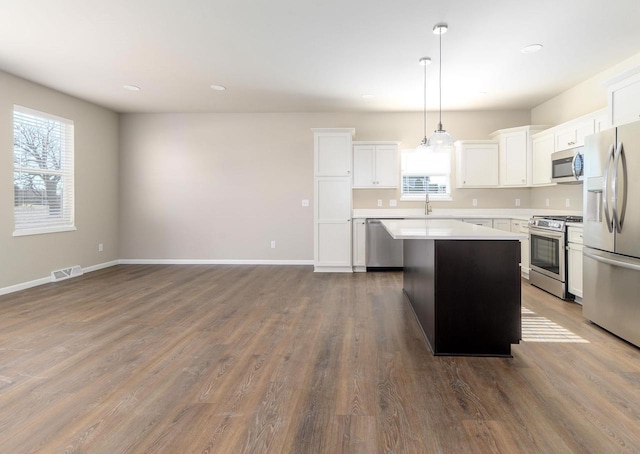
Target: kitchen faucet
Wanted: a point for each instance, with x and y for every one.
(427, 205)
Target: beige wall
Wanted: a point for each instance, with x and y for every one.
(28, 258)
(223, 186)
(586, 97)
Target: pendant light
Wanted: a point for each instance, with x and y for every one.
(423, 147)
(440, 138)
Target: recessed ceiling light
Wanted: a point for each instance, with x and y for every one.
(218, 88)
(531, 48)
(131, 87)
(368, 96)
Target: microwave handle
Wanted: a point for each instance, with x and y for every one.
(573, 166)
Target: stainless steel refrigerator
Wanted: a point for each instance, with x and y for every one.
(611, 292)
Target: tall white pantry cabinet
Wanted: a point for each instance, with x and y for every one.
(332, 199)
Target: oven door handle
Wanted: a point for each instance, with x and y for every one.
(545, 233)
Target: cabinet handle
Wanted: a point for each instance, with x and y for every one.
(348, 171)
(523, 181)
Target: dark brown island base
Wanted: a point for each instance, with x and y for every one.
(463, 283)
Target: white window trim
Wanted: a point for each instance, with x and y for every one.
(40, 231)
(421, 197)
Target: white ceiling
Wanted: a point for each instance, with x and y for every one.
(312, 55)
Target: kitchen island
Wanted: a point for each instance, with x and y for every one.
(463, 284)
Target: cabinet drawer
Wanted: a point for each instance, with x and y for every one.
(574, 235)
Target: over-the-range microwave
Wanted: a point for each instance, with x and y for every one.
(567, 166)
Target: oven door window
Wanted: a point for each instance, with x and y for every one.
(545, 253)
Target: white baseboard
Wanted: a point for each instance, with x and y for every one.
(46, 280)
(24, 285)
(99, 266)
(212, 262)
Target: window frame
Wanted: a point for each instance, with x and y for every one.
(66, 222)
(407, 197)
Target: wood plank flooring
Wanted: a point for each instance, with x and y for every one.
(267, 359)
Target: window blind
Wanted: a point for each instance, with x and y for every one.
(42, 171)
(426, 172)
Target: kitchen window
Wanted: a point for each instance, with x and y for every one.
(42, 172)
(426, 172)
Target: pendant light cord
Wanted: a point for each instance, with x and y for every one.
(425, 102)
(440, 83)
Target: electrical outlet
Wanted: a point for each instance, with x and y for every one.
(305, 202)
(100, 247)
(517, 202)
(273, 244)
(474, 202)
(546, 202)
(379, 202)
(393, 203)
(567, 203)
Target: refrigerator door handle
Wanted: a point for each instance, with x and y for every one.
(619, 219)
(605, 192)
(622, 263)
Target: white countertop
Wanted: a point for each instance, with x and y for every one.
(470, 213)
(445, 229)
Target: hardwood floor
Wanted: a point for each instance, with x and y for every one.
(257, 359)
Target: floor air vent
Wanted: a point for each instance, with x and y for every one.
(66, 273)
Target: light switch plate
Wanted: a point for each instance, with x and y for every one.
(305, 202)
(567, 203)
(379, 202)
(546, 202)
(517, 202)
(393, 203)
(474, 202)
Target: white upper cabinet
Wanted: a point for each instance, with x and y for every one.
(543, 147)
(624, 98)
(333, 152)
(375, 165)
(515, 155)
(476, 164)
(572, 133)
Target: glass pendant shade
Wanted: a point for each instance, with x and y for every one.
(440, 139)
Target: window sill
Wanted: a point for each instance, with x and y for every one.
(420, 198)
(42, 230)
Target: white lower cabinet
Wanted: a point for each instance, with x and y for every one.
(502, 224)
(574, 261)
(359, 245)
(525, 261)
(482, 222)
(333, 224)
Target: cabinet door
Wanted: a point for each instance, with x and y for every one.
(363, 166)
(482, 222)
(332, 154)
(477, 165)
(624, 101)
(513, 159)
(386, 166)
(583, 130)
(502, 224)
(359, 243)
(333, 222)
(574, 269)
(542, 150)
(525, 254)
(566, 139)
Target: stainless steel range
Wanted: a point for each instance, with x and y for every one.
(548, 243)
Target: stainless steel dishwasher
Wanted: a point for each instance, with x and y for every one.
(383, 252)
